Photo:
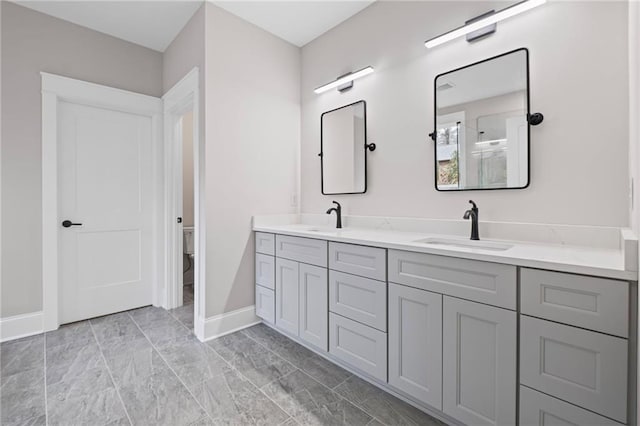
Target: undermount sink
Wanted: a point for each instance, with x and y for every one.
(468, 244)
(318, 229)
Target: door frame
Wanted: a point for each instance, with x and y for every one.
(56, 88)
(184, 96)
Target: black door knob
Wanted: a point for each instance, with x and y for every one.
(68, 224)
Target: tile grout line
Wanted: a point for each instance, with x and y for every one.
(115, 385)
(169, 366)
(332, 390)
(46, 404)
(298, 368)
(172, 316)
(256, 386)
(178, 319)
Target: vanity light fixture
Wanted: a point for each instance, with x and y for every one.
(494, 141)
(345, 79)
(481, 23)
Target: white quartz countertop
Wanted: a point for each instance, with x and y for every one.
(602, 262)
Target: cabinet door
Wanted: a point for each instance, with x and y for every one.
(359, 299)
(287, 297)
(579, 366)
(265, 270)
(265, 303)
(365, 348)
(370, 262)
(539, 409)
(485, 282)
(265, 243)
(588, 302)
(415, 343)
(306, 250)
(479, 363)
(314, 310)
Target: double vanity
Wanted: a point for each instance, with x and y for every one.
(474, 332)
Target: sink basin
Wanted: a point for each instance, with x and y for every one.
(318, 229)
(468, 244)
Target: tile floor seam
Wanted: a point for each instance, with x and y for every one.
(322, 384)
(256, 386)
(300, 367)
(115, 385)
(269, 349)
(176, 318)
(343, 382)
(46, 405)
(170, 367)
(172, 316)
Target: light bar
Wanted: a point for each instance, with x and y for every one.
(508, 12)
(345, 79)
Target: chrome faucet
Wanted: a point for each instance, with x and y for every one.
(473, 214)
(338, 210)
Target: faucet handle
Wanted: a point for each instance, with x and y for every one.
(473, 204)
(337, 204)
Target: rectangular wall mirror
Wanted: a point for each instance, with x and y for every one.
(481, 127)
(343, 139)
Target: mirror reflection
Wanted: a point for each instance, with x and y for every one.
(343, 156)
(482, 133)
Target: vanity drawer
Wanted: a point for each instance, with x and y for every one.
(265, 304)
(538, 409)
(370, 262)
(305, 250)
(363, 347)
(265, 270)
(588, 302)
(265, 243)
(582, 367)
(485, 282)
(358, 298)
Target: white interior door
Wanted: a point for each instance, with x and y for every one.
(105, 182)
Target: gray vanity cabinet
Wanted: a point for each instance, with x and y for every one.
(574, 343)
(265, 276)
(479, 363)
(415, 343)
(301, 289)
(443, 332)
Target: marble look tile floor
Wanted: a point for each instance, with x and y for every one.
(145, 367)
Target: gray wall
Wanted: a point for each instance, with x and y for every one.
(252, 139)
(34, 42)
(579, 80)
(184, 53)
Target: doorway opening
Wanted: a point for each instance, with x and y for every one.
(183, 194)
(185, 281)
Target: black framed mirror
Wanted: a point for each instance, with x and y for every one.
(482, 125)
(343, 150)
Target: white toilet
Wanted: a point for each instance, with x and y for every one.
(187, 241)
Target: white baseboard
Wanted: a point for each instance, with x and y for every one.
(18, 326)
(229, 322)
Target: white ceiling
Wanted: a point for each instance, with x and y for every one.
(297, 22)
(154, 24)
